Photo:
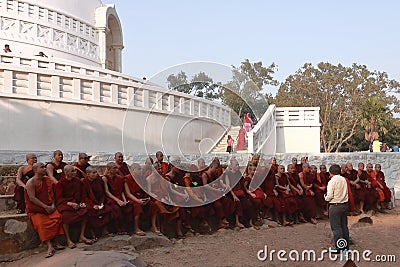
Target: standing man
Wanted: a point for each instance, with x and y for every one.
(338, 198)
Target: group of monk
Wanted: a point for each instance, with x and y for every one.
(56, 196)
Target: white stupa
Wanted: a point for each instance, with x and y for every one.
(84, 31)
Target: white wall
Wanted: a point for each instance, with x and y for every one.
(298, 139)
(48, 125)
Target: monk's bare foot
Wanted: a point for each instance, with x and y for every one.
(156, 231)
(71, 245)
(313, 221)
(86, 241)
(139, 233)
(50, 253)
(239, 225)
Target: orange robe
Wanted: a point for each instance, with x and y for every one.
(47, 225)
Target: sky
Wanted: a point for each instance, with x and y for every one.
(162, 34)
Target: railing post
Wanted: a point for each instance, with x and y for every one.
(146, 99)
(8, 81)
(250, 142)
(182, 105)
(171, 102)
(191, 107)
(76, 88)
(96, 91)
(55, 86)
(32, 83)
(114, 93)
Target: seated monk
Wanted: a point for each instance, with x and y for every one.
(285, 196)
(268, 186)
(159, 188)
(164, 165)
(213, 192)
(235, 178)
(23, 175)
(298, 192)
(143, 206)
(70, 204)
(320, 185)
(307, 181)
(377, 186)
(55, 169)
(256, 196)
(94, 196)
(380, 177)
(123, 168)
(368, 195)
(355, 188)
(122, 209)
(40, 207)
(81, 165)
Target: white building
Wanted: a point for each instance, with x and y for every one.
(77, 99)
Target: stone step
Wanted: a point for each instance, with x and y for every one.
(7, 203)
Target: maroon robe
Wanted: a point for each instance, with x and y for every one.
(309, 200)
(116, 188)
(145, 211)
(368, 193)
(319, 194)
(19, 195)
(81, 170)
(268, 188)
(218, 205)
(287, 200)
(294, 180)
(123, 169)
(352, 176)
(70, 191)
(94, 194)
(58, 170)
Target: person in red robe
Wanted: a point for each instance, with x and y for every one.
(247, 122)
(256, 196)
(271, 193)
(241, 139)
(320, 185)
(94, 196)
(355, 188)
(40, 207)
(368, 195)
(214, 191)
(81, 165)
(164, 165)
(24, 173)
(123, 168)
(148, 167)
(377, 186)
(158, 187)
(122, 210)
(380, 176)
(70, 204)
(298, 166)
(298, 192)
(286, 197)
(55, 169)
(307, 181)
(143, 206)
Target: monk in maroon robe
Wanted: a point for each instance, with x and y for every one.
(286, 198)
(40, 207)
(320, 185)
(268, 187)
(298, 192)
(81, 165)
(123, 168)
(71, 205)
(122, 209)
(23, 175)
(94, 196)
(307, 181)
(369, 196)
(143, 206)
(213, 191)
(355, 188)
(297, 166)
(55, 169)
(164, 165)
(380, 176)
(159, 188)
(256, 196)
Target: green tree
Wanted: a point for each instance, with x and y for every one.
(342, 94)
(200, 85)
(244, 93)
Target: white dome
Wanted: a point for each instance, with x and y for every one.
(81, 9)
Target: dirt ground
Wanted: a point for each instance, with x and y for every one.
(240, 248)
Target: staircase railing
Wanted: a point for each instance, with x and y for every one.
(263, 133)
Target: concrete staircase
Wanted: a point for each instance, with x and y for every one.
(220, 148)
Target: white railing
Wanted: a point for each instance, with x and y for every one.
(297, 116)
(262, 132)
(51, 79)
